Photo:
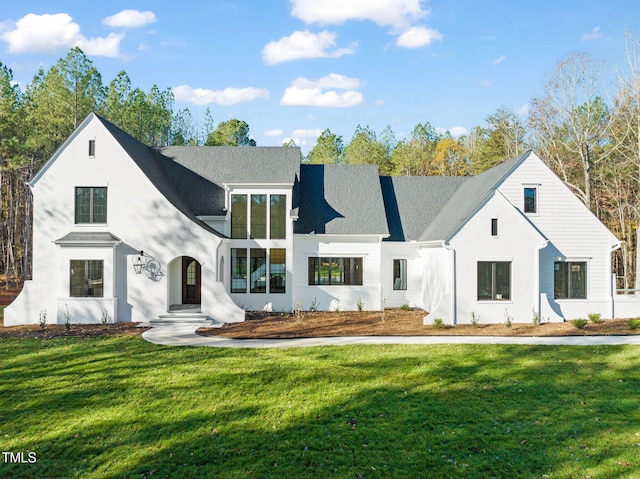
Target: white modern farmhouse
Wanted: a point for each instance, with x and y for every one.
(126, 232)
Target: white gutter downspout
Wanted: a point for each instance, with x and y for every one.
(537, 302)
(454, 312)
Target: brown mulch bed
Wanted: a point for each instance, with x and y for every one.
(396, 322)
(75, 331)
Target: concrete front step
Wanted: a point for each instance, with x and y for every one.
(186, 318)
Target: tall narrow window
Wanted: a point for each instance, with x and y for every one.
(494, 226)
(531, 200)
(86, 278)
(258, 216)
(258, 271)
(494, 280)
(277, 216)
(238, 270)
(570, 280)
(399, 274)
(92, 148)
(239, 216)
(91, 205)
(277, 270)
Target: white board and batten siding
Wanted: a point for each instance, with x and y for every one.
(574, 234)
(332, 297)
(517, 242)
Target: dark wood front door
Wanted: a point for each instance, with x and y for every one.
(190, 281)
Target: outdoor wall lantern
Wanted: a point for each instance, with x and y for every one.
(139, 262)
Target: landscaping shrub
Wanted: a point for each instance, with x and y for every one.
(579, 323)
(405, 307)
(634, 323)
(438, 323)
(595, 318)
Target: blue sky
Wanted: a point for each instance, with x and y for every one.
(291, 68)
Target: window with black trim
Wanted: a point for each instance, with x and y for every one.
(91, 205)
(238, 270)
(494, 226)
(86, 278)
(92, 148)
(494, 280)
(254, 268)
(335, 271)
(531, 199)
(570, 280)
(400, 274)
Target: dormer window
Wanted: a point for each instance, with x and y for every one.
(530, 199)
(92, 148)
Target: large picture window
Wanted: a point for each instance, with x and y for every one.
(494, 280)
(249, 215)
(239, 216)
(335, 271)
(258, 280)
(399, 274)
(238, 270)
(91, 205)
(277, 216)
(86, 278)
(277, 270)
(258, 216)
(570, 280)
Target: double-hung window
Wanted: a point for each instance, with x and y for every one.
(494, 280)
(570, 280)
(91, 205)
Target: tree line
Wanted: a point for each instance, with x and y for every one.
(590, 140)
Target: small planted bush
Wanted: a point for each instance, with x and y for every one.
(42, 320)
(438, 323)
(360, 305)
(579, 323)
(595, 318)
(475, 319)
(405, 307)
(634, 323)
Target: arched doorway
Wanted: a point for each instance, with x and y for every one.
(191, 281)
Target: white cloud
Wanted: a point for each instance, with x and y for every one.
(53, 33)
(523, 110)
(399, 14)
(402, 16)
(594, 34)
(455, 132)
(130, 19)
(418, 36)
(304, 44)
(499, 60)
(458, 131)
(322, 92)
(314, 133)
(332, 80)
(484, 83)
(273, 133)
(379, 102)
(226, 97)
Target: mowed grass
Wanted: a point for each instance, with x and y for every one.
(119, 407)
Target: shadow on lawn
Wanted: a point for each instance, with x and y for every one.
(357, 411)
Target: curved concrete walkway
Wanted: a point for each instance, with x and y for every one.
(172, 335)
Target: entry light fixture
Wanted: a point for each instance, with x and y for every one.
(139, 262)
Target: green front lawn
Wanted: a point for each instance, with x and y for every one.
(120, 407)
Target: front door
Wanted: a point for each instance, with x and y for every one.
(190, 281)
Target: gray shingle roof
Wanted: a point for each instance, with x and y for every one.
(412, 203)
(466, 199)
(233, 165)
(88, 238)
(340, 199)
